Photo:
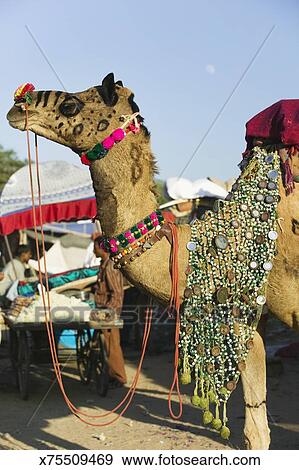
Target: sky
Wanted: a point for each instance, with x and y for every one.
(182, 59)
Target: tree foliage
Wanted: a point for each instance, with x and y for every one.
(9, 164)
(162, 195)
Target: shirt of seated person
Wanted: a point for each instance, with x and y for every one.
(17, 269)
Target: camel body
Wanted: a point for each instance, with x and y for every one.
(125, 193)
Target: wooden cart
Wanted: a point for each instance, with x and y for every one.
(90, 351)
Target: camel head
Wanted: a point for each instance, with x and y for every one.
(77, 120)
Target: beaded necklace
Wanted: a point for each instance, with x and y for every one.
(231, 254)
(101, 149)
(134, 238)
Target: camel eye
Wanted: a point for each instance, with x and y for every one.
(71, 106)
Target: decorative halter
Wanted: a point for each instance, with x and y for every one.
(101, 149)
(23, 94)
(24, 98)
(130, 244)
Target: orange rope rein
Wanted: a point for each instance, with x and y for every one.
(49, 323)
(174, 303)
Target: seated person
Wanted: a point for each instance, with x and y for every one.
(17, 269)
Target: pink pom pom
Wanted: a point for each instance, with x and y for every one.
(155, 222)
(118, 135)
(153, 215)
(130, 238)
(142, 228)
(108, 143)
(113, 245)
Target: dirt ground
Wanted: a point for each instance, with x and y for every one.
(44, 422)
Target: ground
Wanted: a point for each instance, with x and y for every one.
(44, 422)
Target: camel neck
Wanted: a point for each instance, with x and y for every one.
(124, 185)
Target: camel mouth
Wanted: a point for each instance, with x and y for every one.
(17, 123)
(39, 129)
(16, 118)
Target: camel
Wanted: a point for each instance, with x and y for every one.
(125, 194)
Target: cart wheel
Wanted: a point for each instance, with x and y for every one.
(23, 364)
(13, 353)
(13, 348)
(83, 347)
(101, 370)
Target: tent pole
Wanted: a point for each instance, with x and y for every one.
(10, 255)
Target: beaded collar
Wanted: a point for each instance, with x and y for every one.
(231, 255)
(101, 149)
(133, 238)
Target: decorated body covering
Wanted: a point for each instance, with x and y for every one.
(231, 256)
(277, 128)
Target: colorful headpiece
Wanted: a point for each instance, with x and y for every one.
(23, 93)
(277, 127)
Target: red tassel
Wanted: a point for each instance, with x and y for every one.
(84, 159)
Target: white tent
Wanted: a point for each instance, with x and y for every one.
(182, 188)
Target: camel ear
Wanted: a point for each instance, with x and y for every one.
(107, 90)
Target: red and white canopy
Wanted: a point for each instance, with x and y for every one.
(67, 194)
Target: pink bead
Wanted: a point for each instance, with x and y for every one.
(108, 143)
(118, 135)
(155, 222)
(153, 215)
(114, 249)
(127, 234)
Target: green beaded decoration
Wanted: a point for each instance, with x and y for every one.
(231, 255)
(97, 152)
(122, 240)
